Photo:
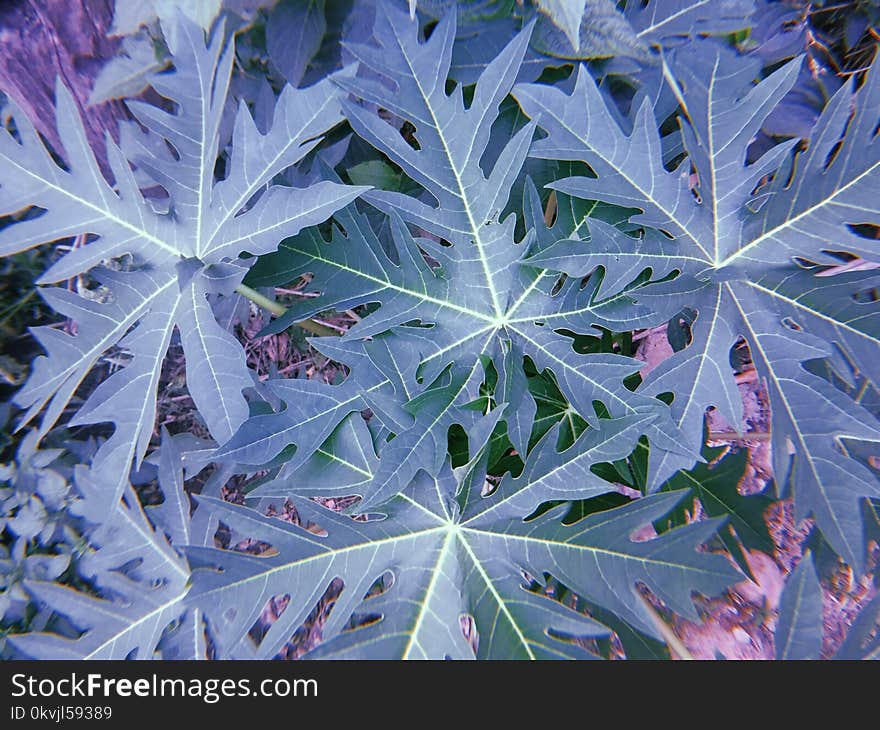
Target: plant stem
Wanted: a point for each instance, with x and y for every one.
(15, 306)
(279, 311)
(734, 436)
(675, 644)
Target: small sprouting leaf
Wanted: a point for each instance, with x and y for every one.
(141, 581)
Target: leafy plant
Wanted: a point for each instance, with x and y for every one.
(180, 248)
(477, 305)
(738, 242)
(452, 553)
(471, 464)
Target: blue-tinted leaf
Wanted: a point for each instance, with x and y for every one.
(206, 223)
(729, 239)
(799, 626)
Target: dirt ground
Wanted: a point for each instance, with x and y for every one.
(741, 624)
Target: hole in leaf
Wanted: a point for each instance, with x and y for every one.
(643, 533)
(272, 610)
(469, 631)
(490, 484)
(457, 443)
(310, 633)
(408, 132)
(557, 287)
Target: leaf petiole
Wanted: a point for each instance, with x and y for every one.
(280, 310)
